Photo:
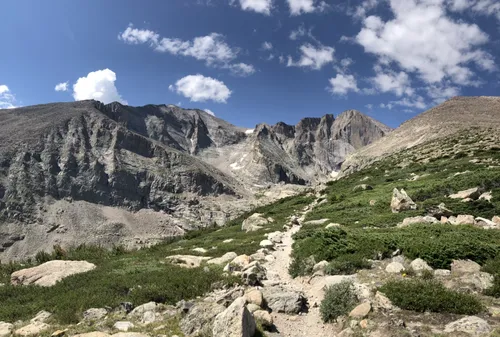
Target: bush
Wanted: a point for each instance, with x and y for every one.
(339, 300)
(347, 265)
(493, 267)
(430, 295)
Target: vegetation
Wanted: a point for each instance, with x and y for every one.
(493, 267)
(347, 265)
(429, 295)
(339, 300)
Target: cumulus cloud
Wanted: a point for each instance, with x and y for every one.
(267, 45)
(421, 38)
(298, 7)
(212, 49)
(199, 88)
(98, 85)
(342, 84)
(259, 6)
(62, 86)
(365, 7)
(210, 112)
(390, 81)
(7, 99)
(313, 57)
(241, 69)
(483, 7)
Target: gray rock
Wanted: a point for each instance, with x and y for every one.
(254, 274)
(419, 265)
(459, 267)
(147, 313)
(235, 321)
(275, 237)
(41, 317)
(187, 261)
(254, 222)
(223, 259)
(267, 244)
(472, 193)
(199, 321)
(394, 268)
(401, 201)
(486, 196)
(442, 272)
(471, 325)
(33, 329)
(361, 311)
(6, 329)
(49, 273)
(486, 224)
(123, 325)
(362, 187)
(283, 300)
(465, 220)
(94, 314)
(263, 318)
(417, 220)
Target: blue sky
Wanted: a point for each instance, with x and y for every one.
(252, 61)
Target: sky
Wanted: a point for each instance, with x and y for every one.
(252, 61)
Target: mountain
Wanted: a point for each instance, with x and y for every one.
(85, 172)
(452, 116)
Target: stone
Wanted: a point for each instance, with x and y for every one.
(255, 296)
(267, 244)
(485, 223)
(460, 267)
(401, 201)
(147, 313)
(486, 196)
(473, 282)
(6, 329)
(363, 291)
(419, 265)
(123, 325)
(363, 324)
(361, 311)
(294, 220)
(417, 220)
(496, 219)
(320, 267)
(362, 187)
(346, 333)
(316, 222)
(439, 211)
(472, 193)
(283, 300)
(394, 268)
(58, 333)
(465, 220)
(223, 259)
(92, 334)
(258, 256)
(263, 318)
(399, 258)
(471, 325)
(199, 250)
(444, 220)
(332, 225)
(254, 222)
(253, 307)
(33, 329)
(49, 273)
(275, 237)
(239, 263)
(41, 317)
(373, 202)
(94, 314)
(228, 241)
(187, 261)
(442, 272)
(382, 302)
(254, 274)
(235, 321)
(199, 320)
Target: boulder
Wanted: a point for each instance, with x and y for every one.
(401, 201)
(267, 244)
(373, 202)
(294, 220)
(418, 219)
(320, 267)
(332, 225)
(362, 187)
(147, 313)
(476, 282)
(496, 219)
(460, 267)
(123, 325)
(394, 268)
(419, 265)
(254, 274)
(94, 314)
(223, 259)
(6, 329)
(316, 222)
(49, 273)
(253, 307)
(255, 296)
(33, 329)
(439, 211)
(199, 321)
(275, 237)
(283, 300)
(235, 321)
(263, 318)
(485, 223)
(471, 325)
(199, 250)
(442, 273)
(41, 317)
(486, 196)
(187, 261)
(465, 220)
(239, 263)
(361, 311)
(254, 222)
(472, 193)
(382, 302)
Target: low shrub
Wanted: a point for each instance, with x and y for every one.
(493, 267)
(430, 295)
(347, 265)
(339, 300)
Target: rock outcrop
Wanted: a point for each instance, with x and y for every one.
(49, 273)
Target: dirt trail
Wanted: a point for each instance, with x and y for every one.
(306, 324)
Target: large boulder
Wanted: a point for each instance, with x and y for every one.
(199, 321)
(254, 222)
(417, 220)
(264, 319)
(439, 211)
(49, 273)
(401, 201)
(465, 220)
(472, 193)
(394, 268)
(283, 300)
(6, 329)
(149, 313)
(94, 314)
(496, 219)
(460, 267)
(471, 325)
(235, 321)
(486, 223)
(187, 261)
(223, 259)
(254, 274)
(361, 311)
(239, 263)
(33, 329)
(419, 265)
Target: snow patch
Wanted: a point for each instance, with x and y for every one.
(249, 131)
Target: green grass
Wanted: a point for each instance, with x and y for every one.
(339, 300)
(429, 295)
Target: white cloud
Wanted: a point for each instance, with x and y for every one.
(241, 69)
(390, 81)
(259, 6)
(298, 7)
(210, 112)
(212, 49)
(312, 57)
(369, 106)
(342, 84)
(62, 86)
(199, 88)
(298, 33)
(421, 38)
(442, 92)
(267, 45)
(365, 7)
(98, 85)
(7, 99)
(483, 7)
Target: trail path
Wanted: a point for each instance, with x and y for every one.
(306, 324)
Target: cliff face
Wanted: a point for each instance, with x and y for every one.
(81, 172)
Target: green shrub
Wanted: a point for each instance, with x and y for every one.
(493, 267)
(339, 300)
(347, 265)
(42, 257)
(430, 295)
